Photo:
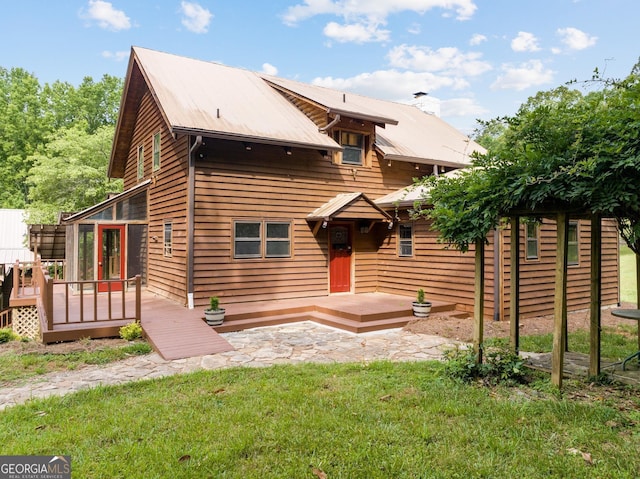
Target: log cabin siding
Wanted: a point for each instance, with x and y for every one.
(166, 276)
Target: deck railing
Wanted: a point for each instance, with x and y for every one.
(103, 306)
(23, 278)
(5, 318)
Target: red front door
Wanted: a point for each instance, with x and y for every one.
(339, 258)
(110, 256)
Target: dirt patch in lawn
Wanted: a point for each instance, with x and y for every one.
(83, 345)
(461, 329)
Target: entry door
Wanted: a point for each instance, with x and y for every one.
(339, 258)
(111, 256)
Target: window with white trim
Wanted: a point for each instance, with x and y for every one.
(405, 239)
(168, 239)
(531, 241)
(573, 257)
(261, 239)
(156, 151)
(353, 144)
(140, 162)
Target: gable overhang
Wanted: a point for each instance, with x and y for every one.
(350, 207)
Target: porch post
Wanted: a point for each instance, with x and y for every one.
(514, 283)
(478, 325)
(596, 293)
(560, 301)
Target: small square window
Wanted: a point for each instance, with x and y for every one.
(247, 240)
(405, 240)
(353, 144)
(278, 240)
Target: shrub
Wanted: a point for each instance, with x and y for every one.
(500, 366)
(420, 297)
(7, 335)
(131, 331)
(214, 303)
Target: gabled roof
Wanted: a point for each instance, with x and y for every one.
(406, 133)
(349, 206)
(205, 98)
(407, 196)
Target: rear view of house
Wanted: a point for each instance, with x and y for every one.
(252, 188)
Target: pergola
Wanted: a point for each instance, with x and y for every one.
(560, 344)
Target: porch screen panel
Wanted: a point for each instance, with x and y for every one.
(137, 252)
(86, 238)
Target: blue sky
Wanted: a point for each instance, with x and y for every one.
(480, 58)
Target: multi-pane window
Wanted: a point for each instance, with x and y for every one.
(156, 151)
(140, 162)
(531, 240)
(573, 250)
(405, 240)
(249, 243)
(168, 239)
(353, 144)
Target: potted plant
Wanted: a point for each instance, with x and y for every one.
(215, 314)
(421, 308)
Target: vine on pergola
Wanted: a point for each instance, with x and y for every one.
(562, 150)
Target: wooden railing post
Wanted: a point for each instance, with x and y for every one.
(138, 298)
(16, 278)
(48, 301)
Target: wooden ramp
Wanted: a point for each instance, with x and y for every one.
(177, 332)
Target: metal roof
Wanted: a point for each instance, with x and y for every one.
(220, 101)
(407, 196)
(409, 133)
(13, 237)
(333, 207)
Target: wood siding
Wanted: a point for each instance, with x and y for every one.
(166, 276)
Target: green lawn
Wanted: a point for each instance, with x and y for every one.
(379, 420)
(627, 275)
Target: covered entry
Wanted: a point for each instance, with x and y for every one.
(338, 220)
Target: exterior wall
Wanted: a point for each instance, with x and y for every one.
(537, 277)
(166, 276)
(265, 183)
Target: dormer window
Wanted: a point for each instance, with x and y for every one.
(353, 144)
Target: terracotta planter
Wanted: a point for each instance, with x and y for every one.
(421, 310)
(214, 318)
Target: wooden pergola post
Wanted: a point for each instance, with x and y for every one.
(560, 302)
(478, 304)
(596, 293)
(638, 292)
(514, 283)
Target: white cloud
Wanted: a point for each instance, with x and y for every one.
(374, 9)
(576, 39)
(525, 42)
(196, 18)
(448, 60)
(117, 56)
(392, 84)
(477, 39)
(269, 69)
(414, 29)
(106, 16)
(356, 32)
(523, 76)
(456, 107)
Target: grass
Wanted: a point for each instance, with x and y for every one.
(627, 275)
(378, 420)
(16, 366)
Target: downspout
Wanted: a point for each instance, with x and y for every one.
(497, 275)
(191, 194)
(330, 125)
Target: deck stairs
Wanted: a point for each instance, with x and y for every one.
(356, 313)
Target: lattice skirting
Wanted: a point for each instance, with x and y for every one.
(26, 322)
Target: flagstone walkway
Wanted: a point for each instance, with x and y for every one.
(259, 347)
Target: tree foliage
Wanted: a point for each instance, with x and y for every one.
(35, 121)
(562, 150)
